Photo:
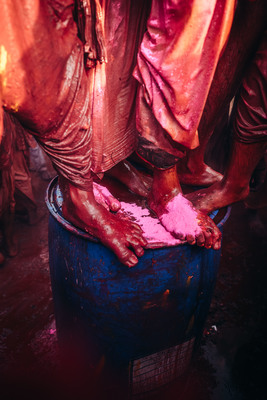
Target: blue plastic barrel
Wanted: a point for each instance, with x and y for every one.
(144, 320)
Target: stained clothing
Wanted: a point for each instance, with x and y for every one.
(7, 176)
(87, 119)
(250, 125)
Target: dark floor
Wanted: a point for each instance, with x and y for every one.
(231, 363)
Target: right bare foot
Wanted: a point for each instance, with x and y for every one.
(203, 175)
(122, 236)
(178, 215)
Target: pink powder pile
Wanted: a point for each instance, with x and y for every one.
(180, 217)
(153, 230)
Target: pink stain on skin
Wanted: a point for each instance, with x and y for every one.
(103, 196)
(180, 217)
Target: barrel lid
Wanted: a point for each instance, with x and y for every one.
(137, 211)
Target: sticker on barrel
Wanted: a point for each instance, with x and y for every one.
(149, 373)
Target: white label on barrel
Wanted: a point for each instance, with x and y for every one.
(158, 369)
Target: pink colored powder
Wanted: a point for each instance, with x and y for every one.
(180, 217)
(153, 230)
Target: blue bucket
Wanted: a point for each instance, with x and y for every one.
(144, 320)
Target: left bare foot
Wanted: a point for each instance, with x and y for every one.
(203, 175)
(217, 196)
(122, 236)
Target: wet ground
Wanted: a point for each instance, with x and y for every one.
(231, 362)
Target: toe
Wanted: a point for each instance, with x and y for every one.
(217, 238)
(180, 236)
(126, 257)
(190, 239)
(132, 261)
(201, 239)
(208, 238)
(113, 204)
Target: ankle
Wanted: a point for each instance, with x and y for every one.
(238, 190)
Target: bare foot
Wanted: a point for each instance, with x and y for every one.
(136, 181)
(178, 215)
(120, 235)
(203, 175)
(217, 196)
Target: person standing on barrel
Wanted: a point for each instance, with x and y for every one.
(94, 81)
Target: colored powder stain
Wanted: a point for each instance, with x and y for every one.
(100, 194)
(153, 230)
(180, 213)
(104, 197)
(3, 59)
(101, 189)
(180, 217)
(188, 281)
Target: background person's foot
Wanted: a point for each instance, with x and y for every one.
(216, 196)
(203, 175)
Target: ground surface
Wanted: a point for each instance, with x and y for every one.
(231, 363)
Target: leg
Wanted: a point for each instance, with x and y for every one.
(177, 215)
(81, 208)
(248, 24)
(194, 171)
(250, 138)
(235, 184)
(258, 199)
(138, 182)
